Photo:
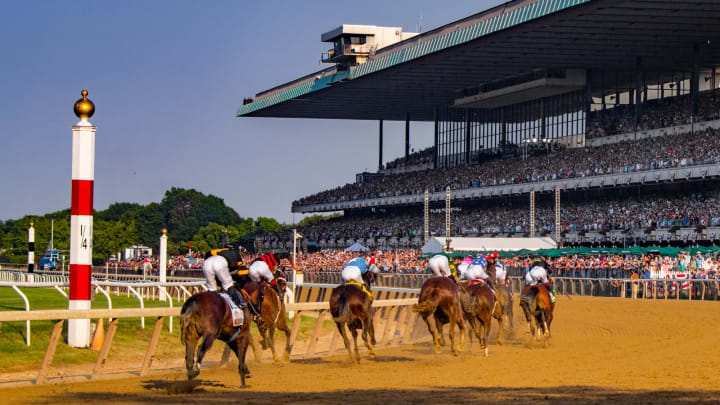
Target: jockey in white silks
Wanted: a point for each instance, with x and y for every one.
(441, 266)
(538, 272)
(500, 272)
(476, 271)
(354, 270)
(218, 266)
(463, 266)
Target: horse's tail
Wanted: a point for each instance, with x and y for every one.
(425, 307)
(186, 315)
(341, 313)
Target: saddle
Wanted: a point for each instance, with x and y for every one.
(481, 281)
(362, 287)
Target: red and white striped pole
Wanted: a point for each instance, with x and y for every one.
(81, 220)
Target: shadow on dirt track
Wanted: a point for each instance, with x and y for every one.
(161, 392)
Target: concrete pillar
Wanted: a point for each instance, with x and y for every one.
(695, 81)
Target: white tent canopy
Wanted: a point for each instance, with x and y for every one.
(458, 244)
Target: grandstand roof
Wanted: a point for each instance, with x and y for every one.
(416, 75)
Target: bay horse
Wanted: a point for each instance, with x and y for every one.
(208, 315)
(272, 314)
(503, 312)
(439, 298)
(351, 306)
(479, 306)
(536, 304)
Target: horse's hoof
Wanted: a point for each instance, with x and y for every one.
(486, 352)
(371, 353)
(286, 357)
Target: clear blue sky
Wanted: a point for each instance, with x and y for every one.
(167, 78)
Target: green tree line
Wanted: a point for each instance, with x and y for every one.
(188, 215)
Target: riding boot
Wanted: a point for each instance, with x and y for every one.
(551, 291)
(490, 284)
(235, 296)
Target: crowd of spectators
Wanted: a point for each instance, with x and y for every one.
(397, 261)
(416, 159)
(634, 213)
(644, 154)
(679, 150)
(659, 113)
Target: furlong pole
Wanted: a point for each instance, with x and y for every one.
(81, 220)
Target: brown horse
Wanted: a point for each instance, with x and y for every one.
(272, 314)
(536, 304)
(504, 310)
(207, 315)
(351, 306)
(439, 298)
(479, 305)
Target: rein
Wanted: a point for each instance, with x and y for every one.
(250, 304)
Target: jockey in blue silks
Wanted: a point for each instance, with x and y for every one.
(354, 269)
(476, 271)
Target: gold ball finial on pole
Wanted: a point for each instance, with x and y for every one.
(164, 231)
(84, 108)
(32, 223)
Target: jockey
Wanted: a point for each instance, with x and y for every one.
(354, 269)
(500, 272)
(463, 266)
(262, 269)
(440, 265)
(476, 271)
(216, 267)
(538, 272)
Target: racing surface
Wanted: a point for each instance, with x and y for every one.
(603, 350)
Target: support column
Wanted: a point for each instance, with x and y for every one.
(81, 220)
(380, 145)
(31, 248)
(435, 130)
(695, 82)
(467, 137)
(637, 91)
(426, 218)
(543, 127)
(503, 133)
(162, 271)
(407, 137)
(588, 101)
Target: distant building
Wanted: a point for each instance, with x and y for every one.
(136, 252)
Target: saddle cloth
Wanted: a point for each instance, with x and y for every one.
(238, 315)
(362, 287)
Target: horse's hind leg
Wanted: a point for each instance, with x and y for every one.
(208, 340)
(367, 337)
(355, 335)
(439, 327)
(433, 331)
(343, 333)
(191, 341)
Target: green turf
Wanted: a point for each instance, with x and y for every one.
(130, 340)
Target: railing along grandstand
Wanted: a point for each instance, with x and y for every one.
(395, 323)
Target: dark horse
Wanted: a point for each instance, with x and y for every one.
(272, 315)
(207, 315)
(479, 304)
(536, 304)
(439, 298)
(351, 306)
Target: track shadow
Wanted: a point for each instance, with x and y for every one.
(486, 395)
(181, 386)
(389, 359)
(315, 360)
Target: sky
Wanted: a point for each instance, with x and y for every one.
(167, 78)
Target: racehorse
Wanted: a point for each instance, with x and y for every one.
(478, 304)
(439, 298)
(272, 314)
(208, 315)
(536, 304)
(504, 310)
(351, 306)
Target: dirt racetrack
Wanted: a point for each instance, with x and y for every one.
(604, 350)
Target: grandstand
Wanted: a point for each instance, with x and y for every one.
(614, 103)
